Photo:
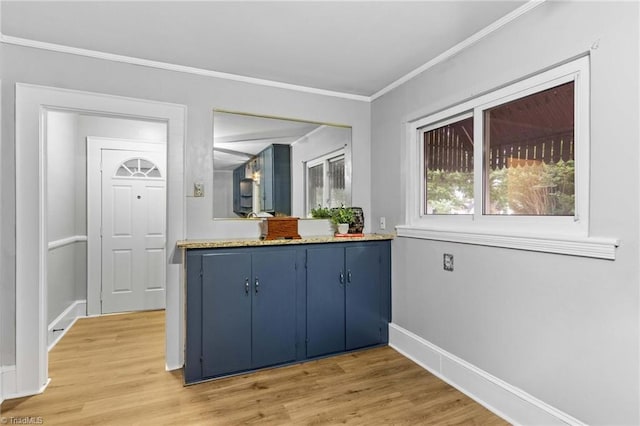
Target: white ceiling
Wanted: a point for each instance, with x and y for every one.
(355, 47)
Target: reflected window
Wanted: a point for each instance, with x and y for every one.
(326, 181)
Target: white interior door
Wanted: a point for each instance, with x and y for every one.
(133, 230)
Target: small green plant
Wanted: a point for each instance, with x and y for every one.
(321, 212)
(342, 215)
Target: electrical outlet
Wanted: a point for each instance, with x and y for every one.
(383, 222)
(198, 189)
(447, 262)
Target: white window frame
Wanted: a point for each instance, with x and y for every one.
(555, 234)
(324, 160)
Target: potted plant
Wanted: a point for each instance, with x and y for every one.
(321, 212)
(342, 217)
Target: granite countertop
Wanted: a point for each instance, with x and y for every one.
(256, 242)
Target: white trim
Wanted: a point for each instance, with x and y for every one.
(563, 228)
(65, 321)
(468, 42)
(1, 326)
(507, 401)
(66, 241)
(31, 225)
(600, 248)
(18, 41)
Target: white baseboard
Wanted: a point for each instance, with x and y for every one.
(512, 404)
(10, 384)
(65, 321)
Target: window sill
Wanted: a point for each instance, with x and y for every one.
(599, 248)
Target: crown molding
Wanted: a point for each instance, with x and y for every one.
(18, 41)
(530, 5)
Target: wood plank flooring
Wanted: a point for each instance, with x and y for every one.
(110, 370)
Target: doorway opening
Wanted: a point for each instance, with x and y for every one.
(32, 105)
(126, 187)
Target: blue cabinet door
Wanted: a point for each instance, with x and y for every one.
(274, 307)
(325, 300)
(226, 313)
(362, 296)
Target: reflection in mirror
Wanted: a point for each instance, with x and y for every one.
(269, 166)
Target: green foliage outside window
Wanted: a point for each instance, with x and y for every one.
(529, 189)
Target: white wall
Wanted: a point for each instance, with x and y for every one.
(223, 194)
(563, 329)
(201, 95)
(61, 194)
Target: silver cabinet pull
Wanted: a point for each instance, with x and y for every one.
(257, 285)
(349, 276)
(341, 277)
(246, 286)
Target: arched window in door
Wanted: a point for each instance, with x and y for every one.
(138, 168)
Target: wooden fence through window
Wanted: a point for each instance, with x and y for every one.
(447, 150)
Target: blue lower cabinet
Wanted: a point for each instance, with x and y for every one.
(273, 337)
(362, 297)
(247, 312)
(250, 308)
(325, 300)
(226, 313)
(345, 298)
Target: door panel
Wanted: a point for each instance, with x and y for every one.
(362, 296)
(274, 307)
(226, 313)
(121, 210)
(121, 271)
(325, 301)
(154, 264)
(155, 223)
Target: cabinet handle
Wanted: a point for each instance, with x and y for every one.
(246, 286)
(349, 276)
(341, 277)
(257, 285)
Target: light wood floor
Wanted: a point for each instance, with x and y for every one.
(110, 370)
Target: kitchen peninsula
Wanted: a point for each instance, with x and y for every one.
(252, 304)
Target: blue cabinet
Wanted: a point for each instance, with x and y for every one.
(250, 308)
(346, 298)
(241, 311)
(226, 315)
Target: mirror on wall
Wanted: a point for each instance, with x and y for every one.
(272, 166)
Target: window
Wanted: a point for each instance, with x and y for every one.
(508, 168)
(138, 168)
(529, 155)
(448, 160)
(528, 163)
(326, 181)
